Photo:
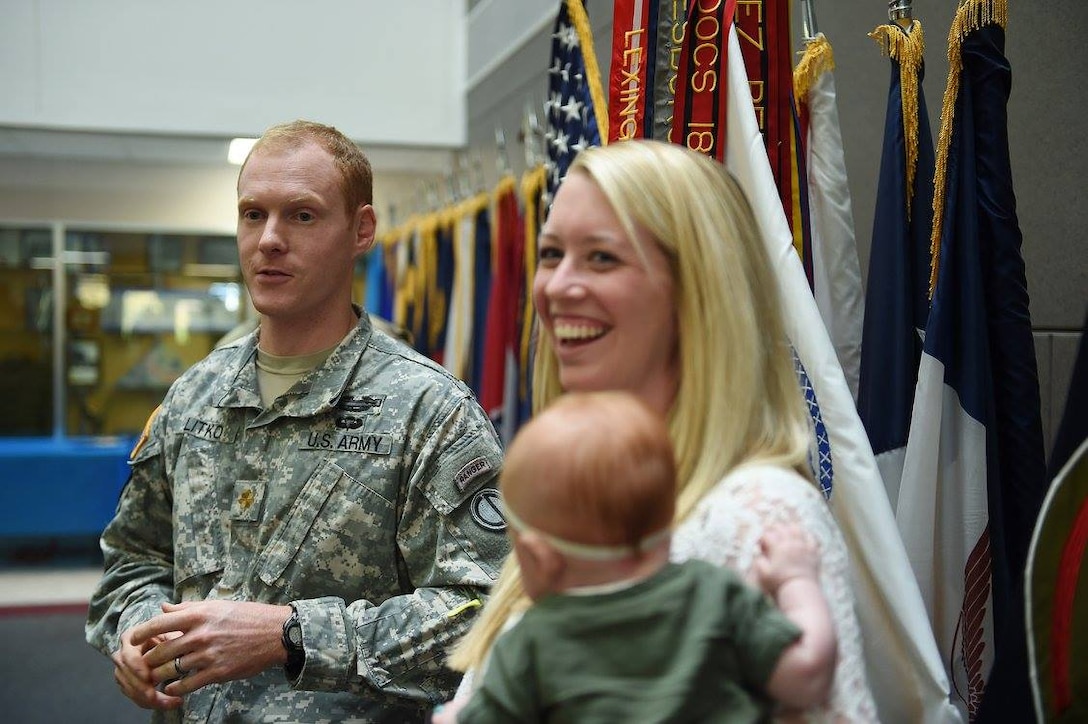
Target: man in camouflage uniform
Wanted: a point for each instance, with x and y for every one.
(311, 518)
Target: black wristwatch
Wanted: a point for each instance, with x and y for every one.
(292, 642)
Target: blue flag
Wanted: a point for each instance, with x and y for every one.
(574, 94)
(896, 301)
(974, 475)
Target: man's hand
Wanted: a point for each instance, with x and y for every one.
(215, 641)
(134, 676)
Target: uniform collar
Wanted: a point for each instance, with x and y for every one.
(305, 400)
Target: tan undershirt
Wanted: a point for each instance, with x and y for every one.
(277, 374)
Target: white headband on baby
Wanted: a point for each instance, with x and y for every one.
(587, 551)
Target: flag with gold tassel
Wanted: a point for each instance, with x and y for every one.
(836, 271)
(974, 472)
(897, 300)
(890, 610)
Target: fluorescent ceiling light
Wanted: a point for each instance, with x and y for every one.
(239, 149)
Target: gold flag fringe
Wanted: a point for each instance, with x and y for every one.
(907, 47)
(577, 12)
(971, 15)
(816, 60)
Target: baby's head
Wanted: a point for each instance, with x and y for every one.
(593, 477)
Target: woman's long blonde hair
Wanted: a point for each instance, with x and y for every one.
(738, 398)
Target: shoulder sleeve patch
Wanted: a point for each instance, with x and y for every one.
(472, 470)
(143, 435)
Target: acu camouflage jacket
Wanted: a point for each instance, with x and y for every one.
(365, 495)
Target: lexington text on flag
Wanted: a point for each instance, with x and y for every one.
(897, 298)
(974, 473)
(836, 271)
(633, 67)
(646, 41)
(903, 665)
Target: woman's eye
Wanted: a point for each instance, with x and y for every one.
(602, 257)
(548, 253)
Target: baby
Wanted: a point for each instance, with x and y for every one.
(616, 631)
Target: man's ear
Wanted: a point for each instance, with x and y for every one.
(544, 559)
(366, 226)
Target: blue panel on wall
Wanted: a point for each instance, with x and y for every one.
(60, 487)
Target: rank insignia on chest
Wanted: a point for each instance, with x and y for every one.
(245, 500)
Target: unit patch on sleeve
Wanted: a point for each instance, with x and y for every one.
(143, 435)
(470, 472)
(486, 509)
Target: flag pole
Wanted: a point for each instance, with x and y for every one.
(899, 12)
(809, 31)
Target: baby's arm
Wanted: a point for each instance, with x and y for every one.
(787, 570)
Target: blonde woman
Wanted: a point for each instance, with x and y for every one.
(653, 279)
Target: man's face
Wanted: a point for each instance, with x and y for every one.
(296, 240)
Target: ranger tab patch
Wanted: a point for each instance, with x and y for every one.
(474, 469)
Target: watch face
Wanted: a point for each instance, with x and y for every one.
(294, 633)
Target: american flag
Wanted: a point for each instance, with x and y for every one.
(574, 91)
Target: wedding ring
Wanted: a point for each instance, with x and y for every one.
(177, 667)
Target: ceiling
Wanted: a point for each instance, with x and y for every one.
(77, 146)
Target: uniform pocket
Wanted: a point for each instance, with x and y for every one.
(198, 534)
(332, 537)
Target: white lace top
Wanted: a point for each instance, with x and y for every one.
(725, 529)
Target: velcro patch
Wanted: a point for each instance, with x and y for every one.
(365, 405)
(246, 503)
(143, 435)
(470, 472)
(214, 431)
(374, 443)
(486, 509)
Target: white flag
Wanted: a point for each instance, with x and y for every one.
(903, 664)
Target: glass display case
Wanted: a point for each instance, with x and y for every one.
(88, 347)
(135, 310)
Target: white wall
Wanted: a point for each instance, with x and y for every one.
(382, 72)
(151, 197)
